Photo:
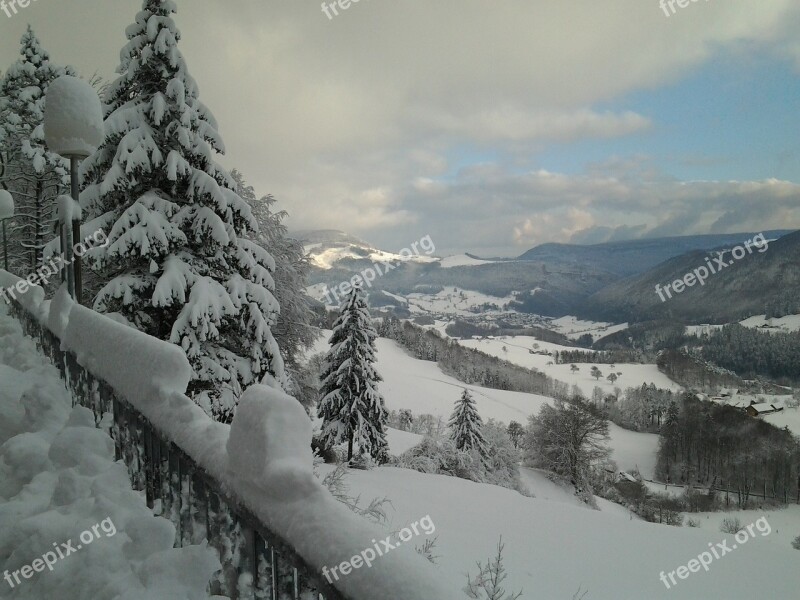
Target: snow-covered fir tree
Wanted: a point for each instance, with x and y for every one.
(350, 405)
(179, 265)
(33, 175)
(466, 424)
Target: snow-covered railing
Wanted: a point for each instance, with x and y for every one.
(248, 488)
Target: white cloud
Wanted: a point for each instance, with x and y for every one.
(351, 122)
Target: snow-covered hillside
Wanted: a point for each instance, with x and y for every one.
(421, 387)
(326, 258)
(462, 260)
(553, 548)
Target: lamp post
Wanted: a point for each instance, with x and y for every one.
(6, 212)
(73, 128)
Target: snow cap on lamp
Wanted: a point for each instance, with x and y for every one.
(6, 205)
(73, 117)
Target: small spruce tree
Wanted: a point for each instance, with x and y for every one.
(466, 424)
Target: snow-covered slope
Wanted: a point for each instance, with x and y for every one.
(423, 388)
(462, 260)
(553, 548)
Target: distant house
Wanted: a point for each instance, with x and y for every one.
(758, 410)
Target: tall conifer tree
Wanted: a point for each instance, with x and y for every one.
(350, 405)
(178, 264)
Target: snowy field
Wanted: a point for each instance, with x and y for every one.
(517, 351)
(462, 260)
(453, 301)
(58, 479)
(554, 547)
(573, 327)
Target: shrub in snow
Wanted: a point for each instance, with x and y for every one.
(730, 525)
(427, 550)
(796, 543)
(34, 174)
(500, 466)
(351, 408)
(439, 455)
(73, 117)
(335, 482)
(488, 583)
(178, 264)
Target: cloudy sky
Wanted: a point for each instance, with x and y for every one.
(492, 126)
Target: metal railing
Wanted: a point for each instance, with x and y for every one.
(256, 564)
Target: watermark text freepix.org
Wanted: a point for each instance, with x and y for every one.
(700, 274)
(368, 275)
(45, 272)
(671, 4)
(62, 551)
(367, 556)
(327, 7)
(720, 549)
(11, 6)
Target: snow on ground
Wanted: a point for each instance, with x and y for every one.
(788, 417)
(784, 522)
(633, 450)
(400, 441)
(462, 260)
(58, 479)
(453, 301)
(539, 484)
(787, 323)
(573, 327)
(518, 351)
(554, 547)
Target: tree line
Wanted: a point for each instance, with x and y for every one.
(752, 353)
